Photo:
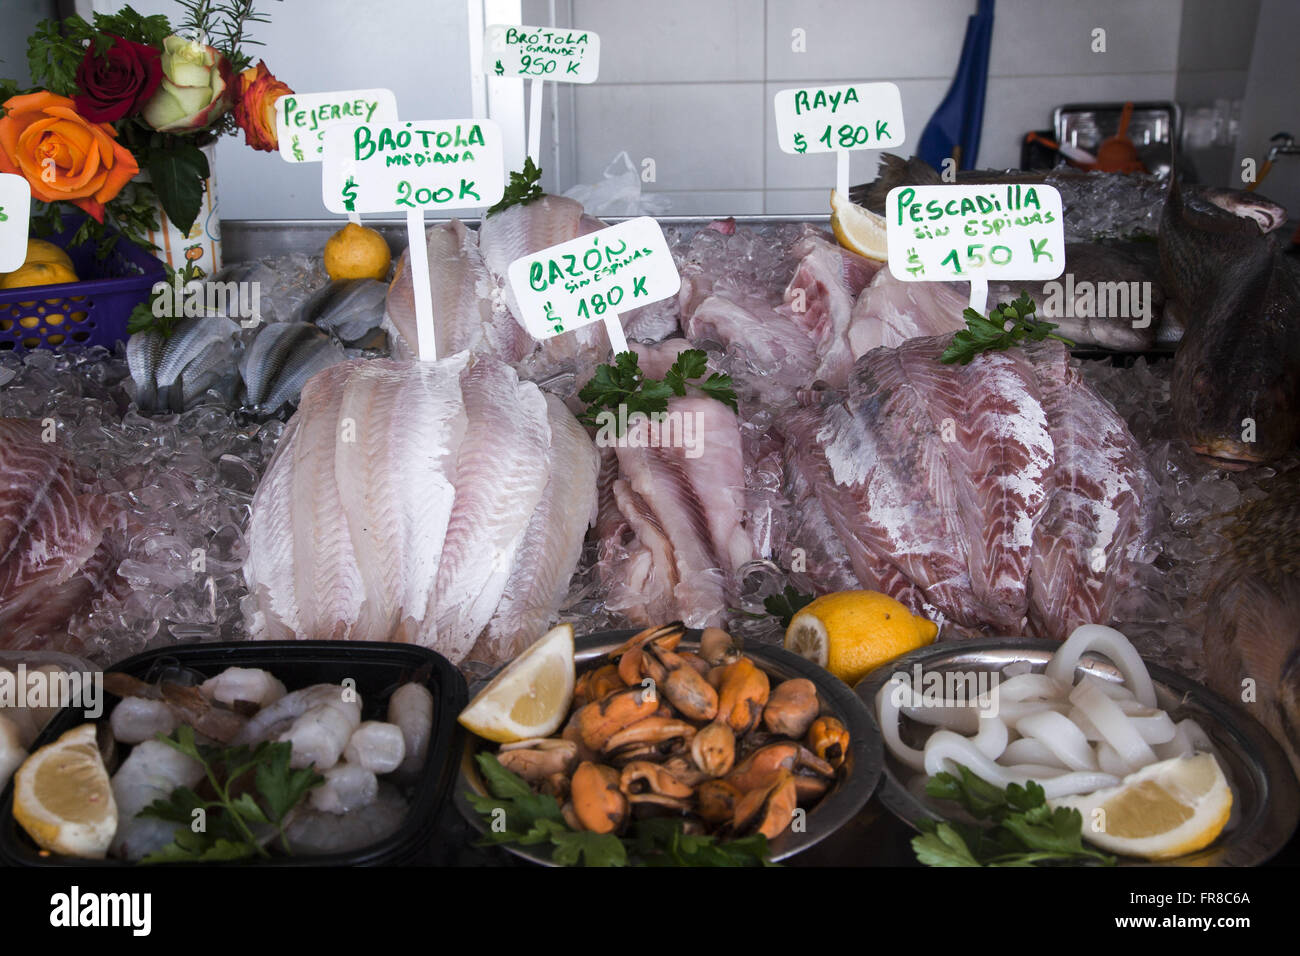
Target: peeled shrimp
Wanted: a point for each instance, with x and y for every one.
(316, 832)
(318, 721)
(12, 753)
(137, 719)
(243, 685)
(347, 787)
(151, 772)
(411, 709)
(377, 746)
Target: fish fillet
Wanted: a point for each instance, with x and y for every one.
(890, 311)
(54, 553)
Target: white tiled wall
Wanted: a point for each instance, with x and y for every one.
(705, 119)
(689, 83)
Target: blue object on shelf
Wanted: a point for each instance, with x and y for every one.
(954, 129)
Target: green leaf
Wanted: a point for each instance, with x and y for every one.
(247, 808)
(787, 604)
(280, 785)
(177, 172)
(691, 363)
(941, 845)
(227, 850)
(592, 849)
(176, 807)
(524, 187)
(501, 782)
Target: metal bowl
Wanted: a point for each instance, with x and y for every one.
(847, 795)
(1266, 800)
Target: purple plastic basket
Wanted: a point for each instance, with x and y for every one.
(93, 311)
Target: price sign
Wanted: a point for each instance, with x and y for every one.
(15, 208)
(301, 119)
(544, 53)
(413, 166)
(591, 278)
(956, 233)
(828, 119)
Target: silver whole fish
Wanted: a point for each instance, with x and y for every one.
(348, 308)
(313, 353)
(143, 352)
(190, 339)
(265, 356)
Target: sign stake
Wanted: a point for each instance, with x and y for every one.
(614, 328)
(420, 285)
(979, 294)
(535, 120)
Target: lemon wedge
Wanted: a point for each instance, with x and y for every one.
(1164, 810)
(853, 632)
(531, 696)
(63, 798)
(857, 229)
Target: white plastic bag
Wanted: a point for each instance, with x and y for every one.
(619, 192)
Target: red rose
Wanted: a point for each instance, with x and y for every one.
(118, 82)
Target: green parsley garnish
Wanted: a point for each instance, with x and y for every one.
(994, 334)
(524, 187)
(514, 814)
(623, 383)
(1025, 830)
(787, 604)
(228, 821)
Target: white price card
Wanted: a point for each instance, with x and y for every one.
(419, 165)
(590, 278)
(560, 54)
(15, 208)
(828, 119)
(301, 119)
(955, 233)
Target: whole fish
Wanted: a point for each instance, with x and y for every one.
(265, 356)
(143, 351)
(349, 308)
(1095, 205)
(1110, 295)
(1235, 388)
(314, 352)
(191, 338)
(1252, 605)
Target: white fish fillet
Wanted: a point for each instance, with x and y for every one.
(552, 545)
(501, 472)
(409, 501)
(890, 311)
(464, 315)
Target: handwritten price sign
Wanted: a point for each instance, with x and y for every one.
(15, 207)
(593, 277)
(947, 233)
(828, 119)
(413, 166)
(544, 53)
(301, 119)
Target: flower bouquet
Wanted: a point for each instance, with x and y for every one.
(128, 95)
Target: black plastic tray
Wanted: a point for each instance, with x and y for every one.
(378, 669)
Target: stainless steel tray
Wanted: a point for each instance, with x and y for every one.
(1266, 794)
(851, 790)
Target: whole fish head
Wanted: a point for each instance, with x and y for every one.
(1234, 397)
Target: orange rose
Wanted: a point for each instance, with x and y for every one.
(89, 167)
(259, 91)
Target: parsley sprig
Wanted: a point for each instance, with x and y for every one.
(1025, 830)
(1008, 324)
(228, 820)
(531, 819)
(624, 383)
(523, 188)
(787, 604)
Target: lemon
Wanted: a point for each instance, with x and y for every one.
(38, 273)
(852, 632)
(63, 799)
(38, 250)
(857, 229)
(355, 252)
(1164, 810)
(531, 696)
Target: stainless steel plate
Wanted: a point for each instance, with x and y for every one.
(1266, 794)
(845, 798)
